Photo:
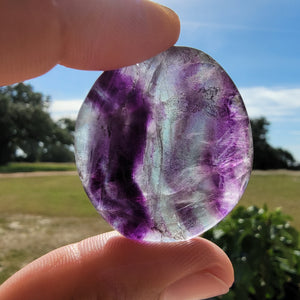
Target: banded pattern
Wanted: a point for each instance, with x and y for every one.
(164, 147)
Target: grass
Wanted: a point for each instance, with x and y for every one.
(34, 167)
(64, 195)
(48, 196)
(15, 257)
(276, 190)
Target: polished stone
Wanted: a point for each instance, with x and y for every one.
(164, 147)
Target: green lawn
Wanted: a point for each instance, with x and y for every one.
(33, 167)
(64, 195)
(276, 190)
(49, 196)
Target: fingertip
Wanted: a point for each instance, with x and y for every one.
(196, 286)
(87, 35)
(191, 269)
(30, 39)
(216, 260)
(173, 22)
(96, 243)
(179, 258)
(116, 33)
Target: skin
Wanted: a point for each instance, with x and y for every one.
(102, 35)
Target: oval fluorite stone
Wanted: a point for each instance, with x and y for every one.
(164, 147)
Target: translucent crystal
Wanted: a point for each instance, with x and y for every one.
(164, 147)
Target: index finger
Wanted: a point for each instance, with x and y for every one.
(90, 35)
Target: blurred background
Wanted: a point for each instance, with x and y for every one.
(42, 202)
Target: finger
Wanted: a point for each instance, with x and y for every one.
(110, 266)
(92, 35)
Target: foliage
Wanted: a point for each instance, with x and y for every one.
(264, 250)
(265, 156)
(27, 131)
(14, 167)
(55, 148)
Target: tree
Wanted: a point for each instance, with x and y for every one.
(24, 121)
(7, 129)
(58, 147)
(265, 156)
(27, 131)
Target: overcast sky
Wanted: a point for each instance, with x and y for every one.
(256, 42)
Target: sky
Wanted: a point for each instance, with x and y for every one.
(258, 44)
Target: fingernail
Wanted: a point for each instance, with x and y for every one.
(196, 286)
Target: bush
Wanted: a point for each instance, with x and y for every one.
(264, 250)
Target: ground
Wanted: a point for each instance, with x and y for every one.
(39, 213)
(26, 237)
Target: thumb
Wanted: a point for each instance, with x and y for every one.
(110, 266)
(90, 35)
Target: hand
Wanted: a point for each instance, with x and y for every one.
(102, 34)
(112, 267)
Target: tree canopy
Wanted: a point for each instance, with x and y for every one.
(28, 132)
(266, 156)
